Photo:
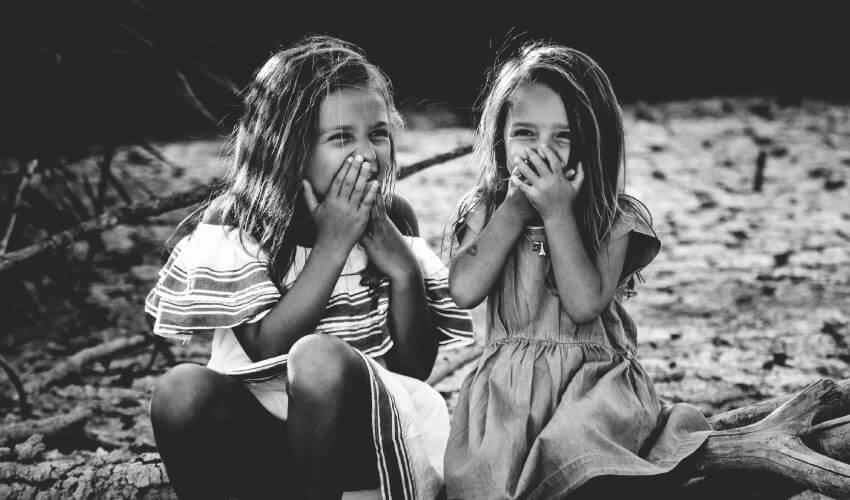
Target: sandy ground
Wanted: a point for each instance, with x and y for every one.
(747, 300)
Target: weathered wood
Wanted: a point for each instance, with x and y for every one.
(139, 211)
(110, 218)
(779, 443)
(104, 165)
(411, 169)
(74, 363)
(156, 153)
(111, 476)
(26, 174)
(19, 387)
(21, 431)
(746, 415)
(758, 178)
(102, 476)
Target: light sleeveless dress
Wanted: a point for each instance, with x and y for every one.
(215, 280)
(552, 403)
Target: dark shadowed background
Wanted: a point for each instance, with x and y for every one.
(73, 70)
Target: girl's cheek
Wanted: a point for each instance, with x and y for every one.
(563, 152)
(510, 150)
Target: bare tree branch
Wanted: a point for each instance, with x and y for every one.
(26, 174)
(138, 211)
(16, 381)
(106, 220)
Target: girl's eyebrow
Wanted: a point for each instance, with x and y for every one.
(381, 123)
(343, 128)
(533, 125)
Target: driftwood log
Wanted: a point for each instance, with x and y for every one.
(805, 439)
(47, 427)
(73, 364)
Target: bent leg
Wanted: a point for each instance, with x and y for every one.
(215, 438)
(329, 418)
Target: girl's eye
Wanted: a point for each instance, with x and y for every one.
(382, 133)
(523, 132)
(563, 137)
(341, 137)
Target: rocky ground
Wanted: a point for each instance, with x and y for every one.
(747, 300)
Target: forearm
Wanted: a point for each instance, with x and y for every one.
(579, 282)
(413, 332)
(477, 265)
(298, 312)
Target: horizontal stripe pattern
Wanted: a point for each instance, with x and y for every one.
(213, 279)
(222, 287)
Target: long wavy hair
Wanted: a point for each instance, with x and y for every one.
(597, 141)
(272, 142)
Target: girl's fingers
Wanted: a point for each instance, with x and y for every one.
(539, 163)
(309, 196)
(554, 162)
(350, 177)
(360, 183)
(336, 184)
(369, 196)
(525, 188)
(517, 175)
(526, 171)
(578, 177)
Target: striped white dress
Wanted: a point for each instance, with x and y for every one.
(215, 280)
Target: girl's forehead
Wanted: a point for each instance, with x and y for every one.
(352, 105)
(536, 102)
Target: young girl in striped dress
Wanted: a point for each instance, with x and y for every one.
(325, 308)
(558, 402)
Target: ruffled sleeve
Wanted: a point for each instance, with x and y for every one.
(453, 323)
(213, 279)
(644, 244)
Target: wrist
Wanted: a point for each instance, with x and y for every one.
(513, 217)
(332, 249)
(405, 277)
(558, 215)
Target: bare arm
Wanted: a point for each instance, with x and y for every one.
(585, 286)
(411, 326)
(298, 312)
(478, 262)
(414, 336)
(340, 219)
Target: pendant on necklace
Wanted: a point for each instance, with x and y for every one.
(539, 247)
(537, 237)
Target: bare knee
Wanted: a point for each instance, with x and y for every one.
(183, 396)
(320, 367)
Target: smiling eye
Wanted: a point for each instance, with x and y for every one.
(564, 137)
(341, 137)
(381, 132)
(522, 132)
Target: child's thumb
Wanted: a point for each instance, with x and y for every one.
(309, 196)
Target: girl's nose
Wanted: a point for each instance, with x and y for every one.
(368, 153)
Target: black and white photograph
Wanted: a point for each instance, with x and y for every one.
(424, 251)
